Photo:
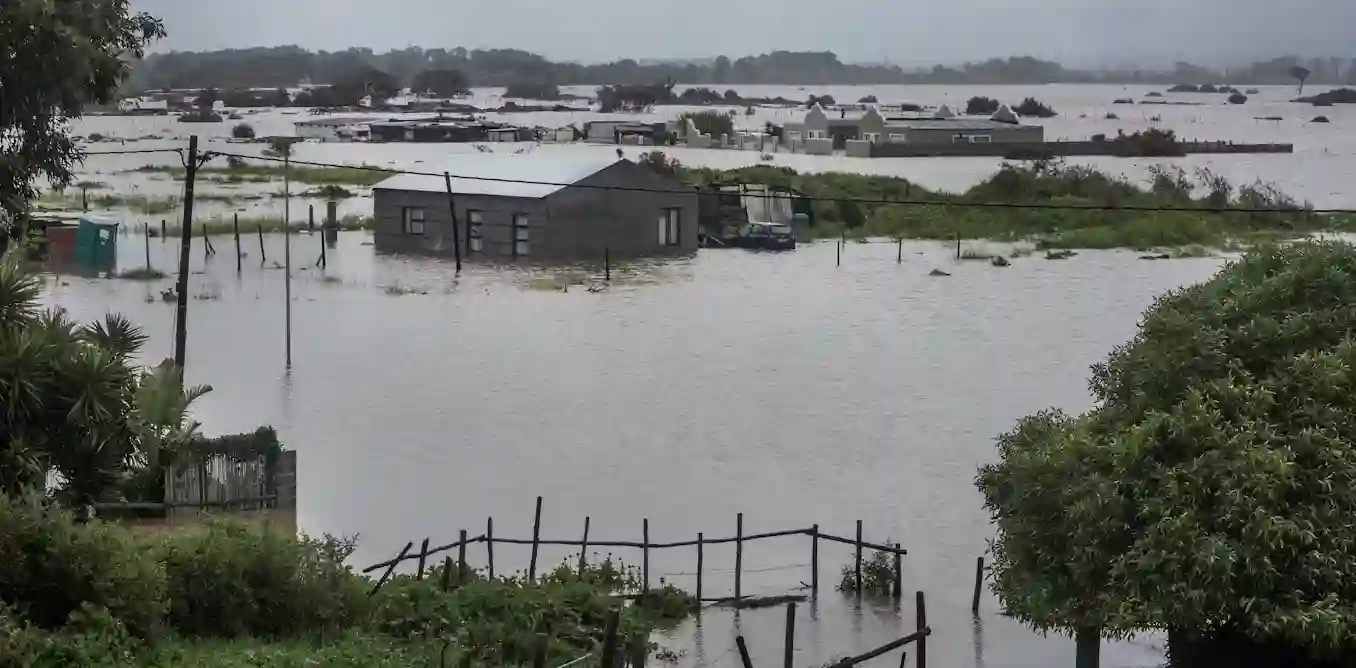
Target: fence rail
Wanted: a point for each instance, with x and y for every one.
(645, 545)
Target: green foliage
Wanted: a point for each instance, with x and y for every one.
(713, 123)
(1035, 108)
(1210, 493)
(981, 106)
(54, 566)
(633, 98)
(533, 91)
(878, 575)
(234, 580)
(243, 131)
(661, 163)
(441, 83)
(58, 58)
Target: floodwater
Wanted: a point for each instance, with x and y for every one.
(1320, 170)
(775, 385)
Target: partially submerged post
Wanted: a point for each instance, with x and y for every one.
(743, 652)
(739, 552)
(489, 544)
(235, 229)
(920, 624)
(456, 236)
(789, 649)
(814, 560)
(461, 559)
(147, 230)
(263, 256)
(584, 547)
(423, 554)
(898, 589)
(645, 552)
(536, 535)
(700, 557)
(857, 569)
(979, 583)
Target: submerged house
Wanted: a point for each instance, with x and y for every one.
(335, 128)
(822, 132)
(537, 207)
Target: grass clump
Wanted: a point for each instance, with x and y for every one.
(142, 274)
(878, 575)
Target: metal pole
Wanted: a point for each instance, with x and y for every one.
(452, 208)
(185, 247)
(147, 228)
(287, 247)
(235, 226)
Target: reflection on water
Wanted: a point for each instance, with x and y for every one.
(776, 385)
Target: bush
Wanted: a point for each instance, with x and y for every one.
(1210, 491)
(1151, 143)
(981, 106)
(1238, 98)
(54, 566)
(878, 574)
(232, 580)
(868, 99)
(1034, 108)
(243, 131)
(712, 123)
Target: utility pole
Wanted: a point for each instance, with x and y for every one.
(287, 244)
(456, 233)
(185, 246)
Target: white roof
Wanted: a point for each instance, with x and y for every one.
(503, 175)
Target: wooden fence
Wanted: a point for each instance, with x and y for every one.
(645, 545)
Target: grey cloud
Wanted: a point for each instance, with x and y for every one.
(1076, 32)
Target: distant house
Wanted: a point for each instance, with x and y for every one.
(628, 132)
(537, 207)
(335, 128)
(820, 130)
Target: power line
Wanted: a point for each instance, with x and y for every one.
(853, 200)
(137, 152)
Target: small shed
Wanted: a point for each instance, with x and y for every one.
(538, 206)
(96, 243)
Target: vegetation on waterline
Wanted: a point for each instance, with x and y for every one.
(1081, 196)
(270, 225)
(274, 172)
(1034, 108)
(878, 575)
(142, 274)
(1209, 493)
(712, 123)
(981, 106)
(67, 201)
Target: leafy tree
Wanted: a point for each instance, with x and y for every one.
(1211, 491)
(440, 83)
(981, 106)
(1300, 74)
(243, 131)
(1035, 108)
(59, 56)
(207, 99)
(713, 123)
(75, 405)
(351, 88)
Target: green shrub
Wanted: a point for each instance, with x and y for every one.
(981, 106)
(1035, 108)
(713, 123)
(53, 566)
(231, 579)
(878, 575)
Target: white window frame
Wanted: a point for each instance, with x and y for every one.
(412, 219)
(815, 134)
(873, 137)
(671, 227)
(981, 139)
(522, 235)
(896, 138)
(475, 231)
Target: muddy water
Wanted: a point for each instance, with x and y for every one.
(776, 385)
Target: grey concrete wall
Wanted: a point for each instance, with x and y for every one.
(437, 239)
(625, 223)
(819, 146)
(1026, 134)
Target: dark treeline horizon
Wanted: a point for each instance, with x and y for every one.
(282, 66)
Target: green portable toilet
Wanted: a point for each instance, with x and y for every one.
(96, 243)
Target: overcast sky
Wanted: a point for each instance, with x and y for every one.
(1076, 32)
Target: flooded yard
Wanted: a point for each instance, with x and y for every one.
(775, 385)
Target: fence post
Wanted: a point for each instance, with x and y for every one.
(423, 554)
(899, 255)
(922, 623)
(489, 543)
(609, 657)
(263, 255)
(163, 230)
(739, 552)
(899, 574)
(857, 579)
(461, 560)
(743, 652)
(839, 257)
(235, 227)
(447, 574)
(814, 560)
(310, 217)
(700, 558)
(979, 582)
(206, 245)
(536, 542)
(584, 546)
(645, 555)
(790, 647)
(958, 251)
(607, 264)
(1088, 643)
(147, 227)
(324, 261)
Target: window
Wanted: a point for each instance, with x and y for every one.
(872, 137)
(522, 245)
(896, 138)
(475, 231)
(981, 139)
(670, 227)
(412, 220)
(814, 134)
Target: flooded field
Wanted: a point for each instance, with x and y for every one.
(776, 385)
(1320, 171)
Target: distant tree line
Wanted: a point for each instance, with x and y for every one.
(286, 66)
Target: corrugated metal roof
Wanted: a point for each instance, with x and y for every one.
(502, 175)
